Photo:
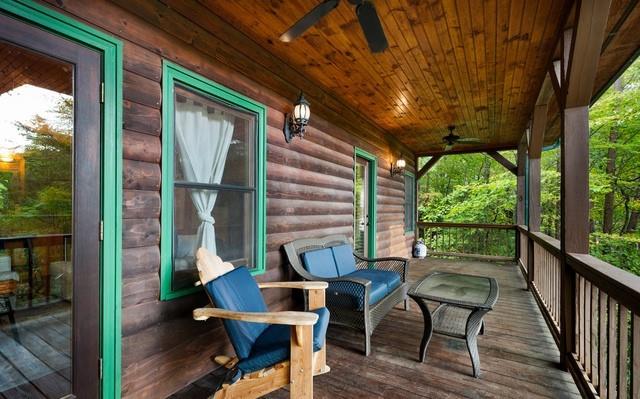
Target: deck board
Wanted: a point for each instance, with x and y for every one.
(518, 356)
(35, 354)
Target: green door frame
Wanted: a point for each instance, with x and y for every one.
(111, 206)
(372, 203)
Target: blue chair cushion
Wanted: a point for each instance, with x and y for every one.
(343, 256)
(274, 344)
(383, 282)
(238, 291)
(320, 262)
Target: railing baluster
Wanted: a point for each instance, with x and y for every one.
(602, 343)
(635, 370)
(594, 335)
(613, 348)
(587, 328)
(623, 352)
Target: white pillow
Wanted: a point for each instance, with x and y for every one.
(210, 266)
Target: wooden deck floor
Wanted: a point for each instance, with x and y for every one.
(35, 354)
(519, 358)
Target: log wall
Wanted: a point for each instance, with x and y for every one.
(309, 193)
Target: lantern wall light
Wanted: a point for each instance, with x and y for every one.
(296, 122)
(398, 168)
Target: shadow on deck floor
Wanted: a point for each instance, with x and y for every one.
(518, 356)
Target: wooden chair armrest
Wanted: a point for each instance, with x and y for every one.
(286, 318)
(302, 285)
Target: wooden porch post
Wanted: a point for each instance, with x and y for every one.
(538, 127)
(521, 179)
(581, 52)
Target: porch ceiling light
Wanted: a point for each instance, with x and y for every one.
(296, 122)
(398, 168)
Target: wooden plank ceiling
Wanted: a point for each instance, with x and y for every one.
(476, 64)
(19, 67)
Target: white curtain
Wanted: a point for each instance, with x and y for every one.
(203, 137)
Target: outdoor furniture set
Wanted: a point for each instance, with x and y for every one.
(275, 349)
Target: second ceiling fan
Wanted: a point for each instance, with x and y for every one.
(367, 16)
(452, 139)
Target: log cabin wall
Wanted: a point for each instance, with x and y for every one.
(309, 193)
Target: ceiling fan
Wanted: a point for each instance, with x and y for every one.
(367, 16)
(453, 139)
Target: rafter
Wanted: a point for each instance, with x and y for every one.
(430, 164)
(503, 161)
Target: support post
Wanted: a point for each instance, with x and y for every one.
(574, 215)
(534, 213)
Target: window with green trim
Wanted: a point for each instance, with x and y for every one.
(213, 178)
(409, 202)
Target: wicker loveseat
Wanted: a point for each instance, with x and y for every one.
(361, 291)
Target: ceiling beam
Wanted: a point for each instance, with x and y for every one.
(430, 164)
(587, 38)
(503, 161)
(469, 150)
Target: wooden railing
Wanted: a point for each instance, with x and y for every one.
(597, 320)
(477, 240)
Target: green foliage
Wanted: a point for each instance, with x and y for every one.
(621, 251)
(42, 205)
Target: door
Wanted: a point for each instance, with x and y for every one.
(361, 228)
(50, 212)
(364, 204)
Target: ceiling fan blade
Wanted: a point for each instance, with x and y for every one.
(470, 140)
(309, 20)
(371, 26)
(448, 147)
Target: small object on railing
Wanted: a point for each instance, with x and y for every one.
(419, 249)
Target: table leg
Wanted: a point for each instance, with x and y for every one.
(474, 325)
(428, 328)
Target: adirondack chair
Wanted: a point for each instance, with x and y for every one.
(273, 349)
(361, 290)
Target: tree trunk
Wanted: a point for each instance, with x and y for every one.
(609, 198)
(632, 225)
(607, 217)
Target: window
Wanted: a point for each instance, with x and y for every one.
(409, 202)
(213, 167)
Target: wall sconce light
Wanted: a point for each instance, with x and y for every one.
(398, 168)
(296, 122)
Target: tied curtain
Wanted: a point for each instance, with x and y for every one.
(203, 137)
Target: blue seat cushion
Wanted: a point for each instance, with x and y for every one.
(343, 256)
(238, 291)
(320, 262)
(274, 344)
(383, 282)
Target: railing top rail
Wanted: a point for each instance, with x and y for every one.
(549, 243)
(619, 284)
(468, 225)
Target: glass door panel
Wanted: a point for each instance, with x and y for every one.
(49, 214)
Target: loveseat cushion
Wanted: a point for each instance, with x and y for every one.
(345, 261)
(238, 291)
(320, 262)
(383, 282)
(274, 344)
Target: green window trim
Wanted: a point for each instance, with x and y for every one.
(172, 74)
(410, 229)
(373, 203)
(111, 206)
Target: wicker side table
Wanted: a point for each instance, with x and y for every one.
(463, 301)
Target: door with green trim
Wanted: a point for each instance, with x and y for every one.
(50, 214)
(364, 206)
